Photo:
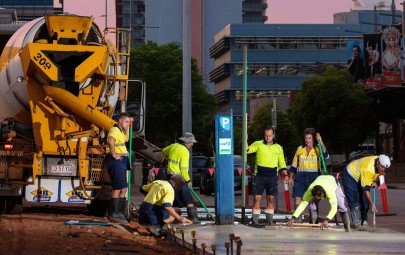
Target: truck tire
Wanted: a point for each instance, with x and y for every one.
(2, 204)
(14, 205)
(98, 207)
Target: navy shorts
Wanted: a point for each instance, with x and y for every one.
(183, 197)
(302, 182)
(117, 170)
(152, 214)
(266, 179)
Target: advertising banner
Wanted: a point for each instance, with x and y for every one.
(391, 55)
(373, 65)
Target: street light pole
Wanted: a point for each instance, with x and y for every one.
(244, 139)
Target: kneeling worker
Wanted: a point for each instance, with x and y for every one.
(178, 157)
(157, 207)
(325, 186)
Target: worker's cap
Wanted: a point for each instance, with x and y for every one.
(384, 161)
(188, 138)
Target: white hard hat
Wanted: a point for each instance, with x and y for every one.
(384, 161)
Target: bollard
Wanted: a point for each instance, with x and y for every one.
(182, 237)
(238, 246)
(213, 248)
(203, 247)
(231, 238)
(287, 197)
(227, 246)
(383, 189)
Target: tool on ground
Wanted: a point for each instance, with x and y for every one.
(94, 223)
(306, 225)
(322, 158)
(374, 199)
(202, 203)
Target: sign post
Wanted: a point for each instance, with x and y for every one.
(224, 172)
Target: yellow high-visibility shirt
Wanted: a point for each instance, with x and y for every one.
(178, 158)
(328, 183)
(364, 170)
(120, 138)
(267, 155)
(306, 163)
(160, 193)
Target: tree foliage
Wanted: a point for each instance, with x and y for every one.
(286, 134)
(336, 108)
(160, 66)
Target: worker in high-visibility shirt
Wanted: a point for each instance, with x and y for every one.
(157, 207)
(178, 157)
(305, 168)
(269, 158)
(358, 177)
(325, 186)
(117, 164)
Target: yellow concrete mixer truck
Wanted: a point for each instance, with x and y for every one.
(60, 83)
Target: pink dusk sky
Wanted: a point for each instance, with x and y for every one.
(95, 8)
(309, 11)
(278, 11)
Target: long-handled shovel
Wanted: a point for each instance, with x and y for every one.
(202, 203)
(322, 158)
(374, 205)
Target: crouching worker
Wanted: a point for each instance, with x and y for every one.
(157, 207)
(325, 186)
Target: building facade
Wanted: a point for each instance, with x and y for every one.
(131, 14)
(281, 56)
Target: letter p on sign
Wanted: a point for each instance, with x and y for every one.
(225, 123)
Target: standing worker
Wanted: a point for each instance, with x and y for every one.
(325, 186)
(117, 165)
(178, 157)
(157, 207)
(269, 158)
(305, 168)
(358, 177)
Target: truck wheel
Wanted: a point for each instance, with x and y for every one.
(205, 184)
(14, 205)
(202, 187)
(98, 207)
(2, 204)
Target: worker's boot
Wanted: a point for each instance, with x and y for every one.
(356, 216)
(255, 217)
(155, 230)
(364, 219)
(313, 216)
(269, 216)
(121, 209)
(114, 211)
(299, 217)
(346, 220)
(192, 214)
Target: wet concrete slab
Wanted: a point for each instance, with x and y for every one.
(296, 240)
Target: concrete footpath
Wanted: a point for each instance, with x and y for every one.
(387, 238)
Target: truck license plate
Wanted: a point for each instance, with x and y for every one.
(61, 169)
